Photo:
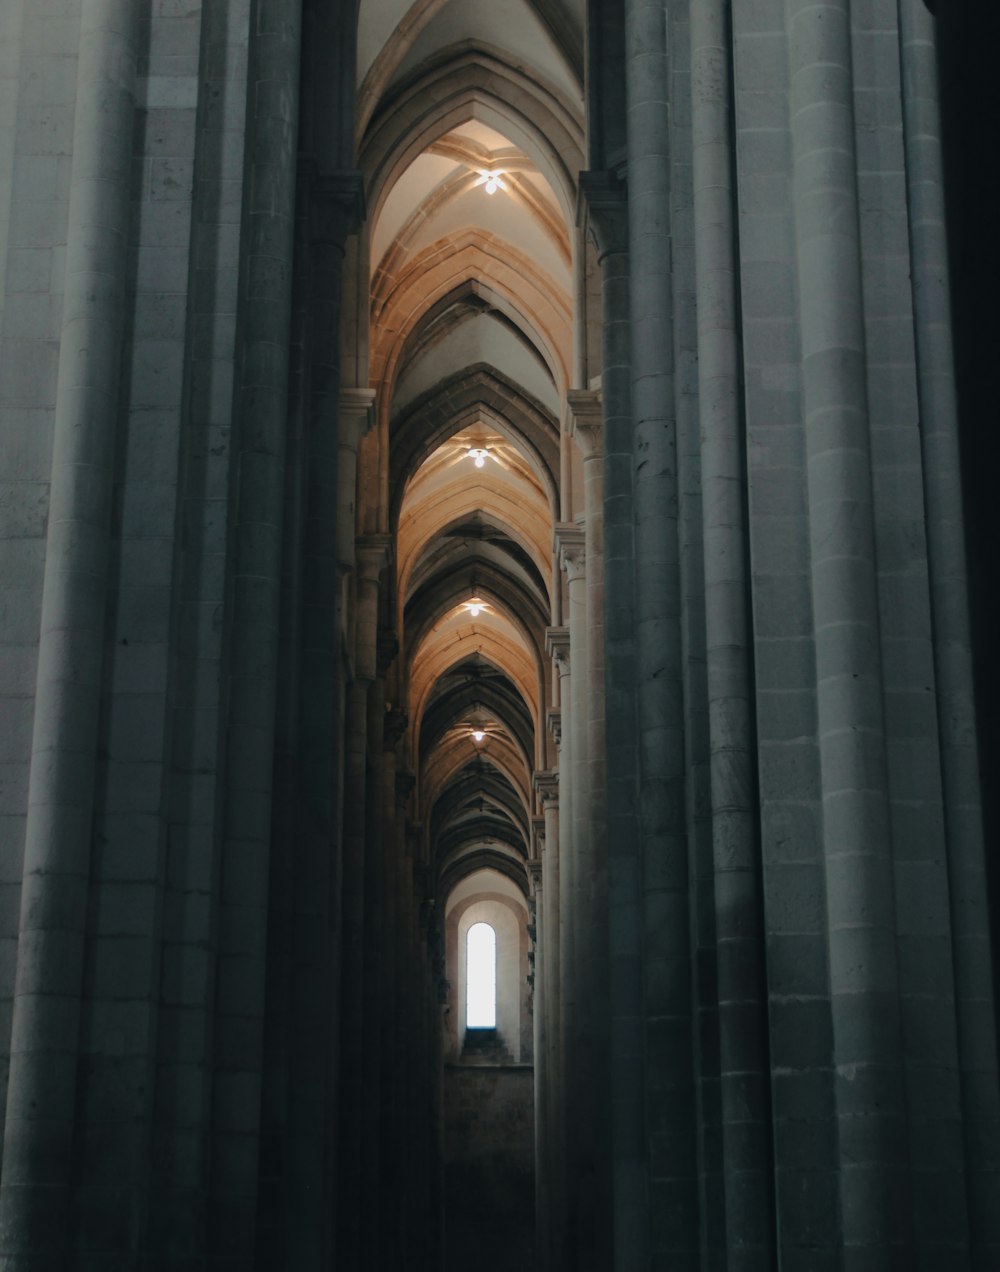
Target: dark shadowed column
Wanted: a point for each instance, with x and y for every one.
(38, 1133)
(743, 1058)
(974, 988)
(371, 558)
(253, 605)
(857, 847)
(659, 656)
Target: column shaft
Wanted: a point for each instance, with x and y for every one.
(743, 1052)
(857, 845)
(254, 595)
(42, 1085)
(547, 787)
(659, 655)
(974, 989)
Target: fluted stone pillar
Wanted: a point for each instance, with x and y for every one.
(371, 558)
(857, 845)
(669, 1076)
(974, 987)
(606, 208)
(587, 1165)
(548, 1126)
(536, 882)
(744, 1076)
(335, 209)
(557, 646)
(37, 1159)
(357, 417)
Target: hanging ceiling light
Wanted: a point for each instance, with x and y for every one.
(478, 454)
(476, 607)
(491, 180)
(478, 735)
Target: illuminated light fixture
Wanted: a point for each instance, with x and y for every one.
(478, 735)
(478, 454)
(476, 608)
(491, 180)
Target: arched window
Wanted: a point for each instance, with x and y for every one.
(481, 977)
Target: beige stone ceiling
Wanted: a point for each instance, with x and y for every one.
(470, 351)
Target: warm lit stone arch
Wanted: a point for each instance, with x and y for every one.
(520, 289)
(419, 15)
(459, 183)
(456, 401)
(479, 780)
(452, 756)
(479, 799)
(482, 857)
(467, 84)
(479, 550)
(453, 642)
(458, 502)
(443, 595)
(431, 338)
(492, 696)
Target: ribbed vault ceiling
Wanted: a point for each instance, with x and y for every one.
(469, 129)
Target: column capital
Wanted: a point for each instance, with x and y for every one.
(546, 783)
(394, 727)
(557, 647)
(357, 416)
(553, 721)
(336, 206)
(585, 412)
(405, 782)
(373, 553)
(535, 875)
(602, 211)
(386, 649)
(569, 541)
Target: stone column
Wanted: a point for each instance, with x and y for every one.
(253, 619)
(604, 203)
(744, 1074)
(372, 556)
(335, 208)
(391, 997)
(670, 1089)
(41, 1102)
(857, 844)
(357, 417)
(558, 648)
(587, 428)
(548, 1126)
(974, 988)
(535, 878)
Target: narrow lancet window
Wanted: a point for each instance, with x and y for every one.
(481, 977)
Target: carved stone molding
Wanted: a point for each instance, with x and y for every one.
(374, 552)
(569, 542)
(357, 416)
(557, 647)
(602, 211)
(546, 784)
(405, 782)
(394, 726)
(336, 206)
(585, 409)
(386, 649)
(553, 722)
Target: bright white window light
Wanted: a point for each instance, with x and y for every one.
(481, 977)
